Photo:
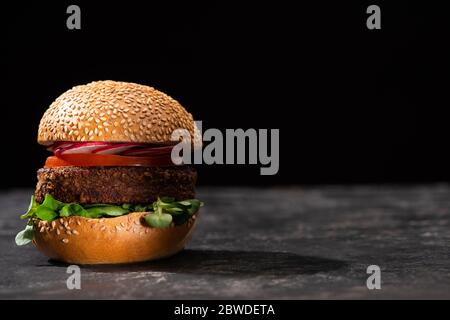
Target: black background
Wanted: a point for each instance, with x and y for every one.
(353, 105)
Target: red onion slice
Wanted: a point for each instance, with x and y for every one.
(149, 151)
(77, 148)
(56, 145)
(116, 148)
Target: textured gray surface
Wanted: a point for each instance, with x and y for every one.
(272, 243)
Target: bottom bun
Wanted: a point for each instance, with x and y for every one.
(123, 239)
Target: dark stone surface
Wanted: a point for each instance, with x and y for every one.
(273, 243)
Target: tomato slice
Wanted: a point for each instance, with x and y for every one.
(107, 160)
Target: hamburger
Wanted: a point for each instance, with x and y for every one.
(110, 193)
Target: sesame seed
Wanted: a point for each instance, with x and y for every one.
(68, 232)
(65, 240)
(75, 232)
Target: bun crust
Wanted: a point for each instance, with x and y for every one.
(123, 239)
(115, 112)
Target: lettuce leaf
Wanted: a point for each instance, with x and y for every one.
(164, 212)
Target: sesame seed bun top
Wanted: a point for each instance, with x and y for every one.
(115, 112)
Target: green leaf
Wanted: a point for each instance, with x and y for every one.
(195, 205)
(65, 211)
(114, 211)
(25, 236)
(96, 212)
(194, 202)
(165, 210)
(86, 206)
(93, 213)
(180, 210)
(45, 213)
(163, 205)
(139, 208)
(52, 203)
(73, 209)
(31, 209)
(185, 203)
(174, 210)
(158, 220)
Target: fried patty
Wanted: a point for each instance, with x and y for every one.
(116, 185)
